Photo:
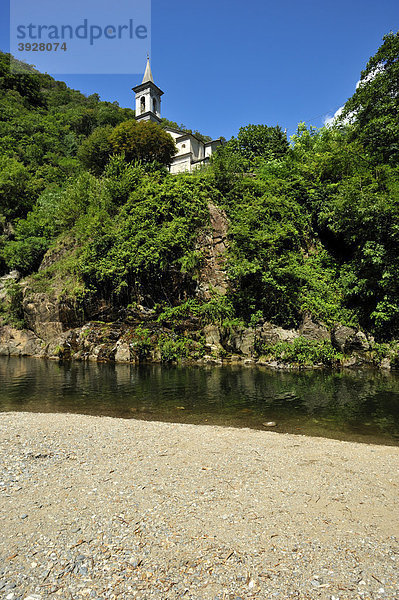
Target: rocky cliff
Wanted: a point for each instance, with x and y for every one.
(57, 328)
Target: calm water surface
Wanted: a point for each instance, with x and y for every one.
(350, 406)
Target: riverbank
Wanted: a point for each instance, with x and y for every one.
(94, 507)
(147, 342)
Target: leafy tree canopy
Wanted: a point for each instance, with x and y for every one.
(374, 107)
(143, 141)
(255, 142)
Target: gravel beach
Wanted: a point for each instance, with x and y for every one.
(102, 508)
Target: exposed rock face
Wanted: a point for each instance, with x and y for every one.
(48, 317)
(239, 340)
(212, 337)
(272, 334)
(57, 330)
(313, 331)
(122, 353)
(15, 342)
(56, 253)
(245, 340)
(347, 340)
(213, 245)
(13, 276)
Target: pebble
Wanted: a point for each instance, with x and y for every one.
(193, 513)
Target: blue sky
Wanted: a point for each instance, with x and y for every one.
(225, 64)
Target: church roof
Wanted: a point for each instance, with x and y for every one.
(148, 75)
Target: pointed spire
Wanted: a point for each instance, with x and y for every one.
(148, 75)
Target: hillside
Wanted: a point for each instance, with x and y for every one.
(277, 252)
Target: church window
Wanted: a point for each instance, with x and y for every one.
(154, 105)
(142, 104)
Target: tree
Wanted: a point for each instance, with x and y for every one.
(261, 141)
(374, 107)
(144, 141)
(15, 199)
(95, 151)
(24, 79)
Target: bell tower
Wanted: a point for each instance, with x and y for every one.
(148, 98)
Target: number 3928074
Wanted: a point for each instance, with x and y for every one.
(41, 47)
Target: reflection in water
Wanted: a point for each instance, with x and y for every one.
(344, 405)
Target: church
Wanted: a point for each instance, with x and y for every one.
(191, 151)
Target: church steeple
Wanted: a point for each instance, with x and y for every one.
(148, 98)
(148, 75)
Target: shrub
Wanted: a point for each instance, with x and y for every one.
(303, 352)
(12, 310)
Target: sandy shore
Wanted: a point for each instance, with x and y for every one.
(94, 507)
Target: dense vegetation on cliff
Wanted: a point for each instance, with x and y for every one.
(314, 224)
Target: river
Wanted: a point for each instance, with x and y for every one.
(355, 406)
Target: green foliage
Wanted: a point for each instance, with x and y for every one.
(216, 310)
(374, 107)
(11, 311)
(143, 141)
(227, 170)
(14, 188)
(260, 141)
(54, 213)
(95, 151)
(25, 255)
(42, 127)
(302, 352)
(352, 209)
(313, 227)
(28, 86)
(137, 249)
(380, 351)
(142, 342)
(265, 258)
(121, 178)
(173, 349)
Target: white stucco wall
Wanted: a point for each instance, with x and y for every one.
(189, 150)
(181, 165)
(197, 148)
(211, 147)
(184, 146)
(173, 133)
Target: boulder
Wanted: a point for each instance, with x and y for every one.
(239, 340)
(47, 316)
(212, 337)
(348, 339)
(122, 353)
(16, 342)
(314, 331)
(272, 334)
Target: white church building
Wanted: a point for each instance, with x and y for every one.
(191, 151)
